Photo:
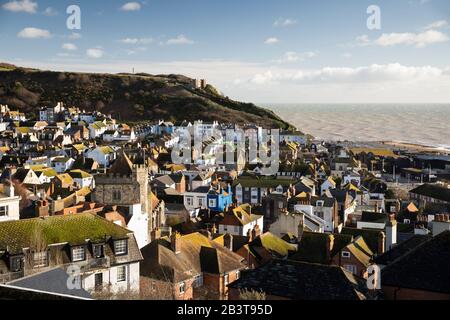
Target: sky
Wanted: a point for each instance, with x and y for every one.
(262, 51)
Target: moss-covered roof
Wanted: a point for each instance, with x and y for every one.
(72, 229)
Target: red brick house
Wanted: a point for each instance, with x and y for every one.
(190, 267)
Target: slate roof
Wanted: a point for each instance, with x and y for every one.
(433, 191)
(122, 165)
(370, 236)
(313, 247)
(52, 281)
(423, 268)
(302, 281)
(197, 254)
(401, 249)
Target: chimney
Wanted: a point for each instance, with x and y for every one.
(175, 243)
(391, 233)
(42, 208)
(381, 242)
(11, 189)
(228, 241)
(155, 234)
(329, 246)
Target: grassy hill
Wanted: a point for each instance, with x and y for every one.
(129, 97)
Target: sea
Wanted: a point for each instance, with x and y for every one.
(423, 124)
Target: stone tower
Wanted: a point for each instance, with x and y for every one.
(125, 184)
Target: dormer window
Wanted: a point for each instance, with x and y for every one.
(78, 253)
(16, 263)
(98, 251)
(40, 259)
(120, 247)
(345, 254)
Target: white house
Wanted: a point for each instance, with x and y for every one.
(196, 199)
(62, 164)
(96, 129)
(241, 221)
(82, 179)
(327, 185)
(104, 155)
(9, 204)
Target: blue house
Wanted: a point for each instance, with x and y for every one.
(219, 199)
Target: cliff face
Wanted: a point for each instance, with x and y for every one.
(129, 97)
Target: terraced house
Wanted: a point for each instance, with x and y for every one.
(105, 254)
(252, 189)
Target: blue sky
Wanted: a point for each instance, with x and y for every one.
(253, 50)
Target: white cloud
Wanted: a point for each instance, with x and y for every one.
(21, 6)
(419, 40)
(50, 12)
(136, 40)
(271, 40)
(437, 24)
(375, 73)
(181, 39)
(131, 6)
(284, 22)
(347, 55)
(69, 47)
(34, 33)
(292, 56)
(75, 36)
(95, 53)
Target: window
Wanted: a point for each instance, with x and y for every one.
(16, 264)
(97, 250)
(3, 211)
(120, 247)
(121, 273)
(320, 203)
(189, 201)
(212, 203)
(182, 288)
(201, 202)
(98, 281)
(117, 196)
(198, 281)
(345, 254)
(350, 267)
(226, 279)
(78, 254)
(40, 259)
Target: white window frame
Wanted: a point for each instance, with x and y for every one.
(121, 274)
(345, 254)
(78, 255)
(120, 247)
(189, 201)
(182, 288)
(226, 279)
(4, 211)
(40, 259)
(212, 203)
